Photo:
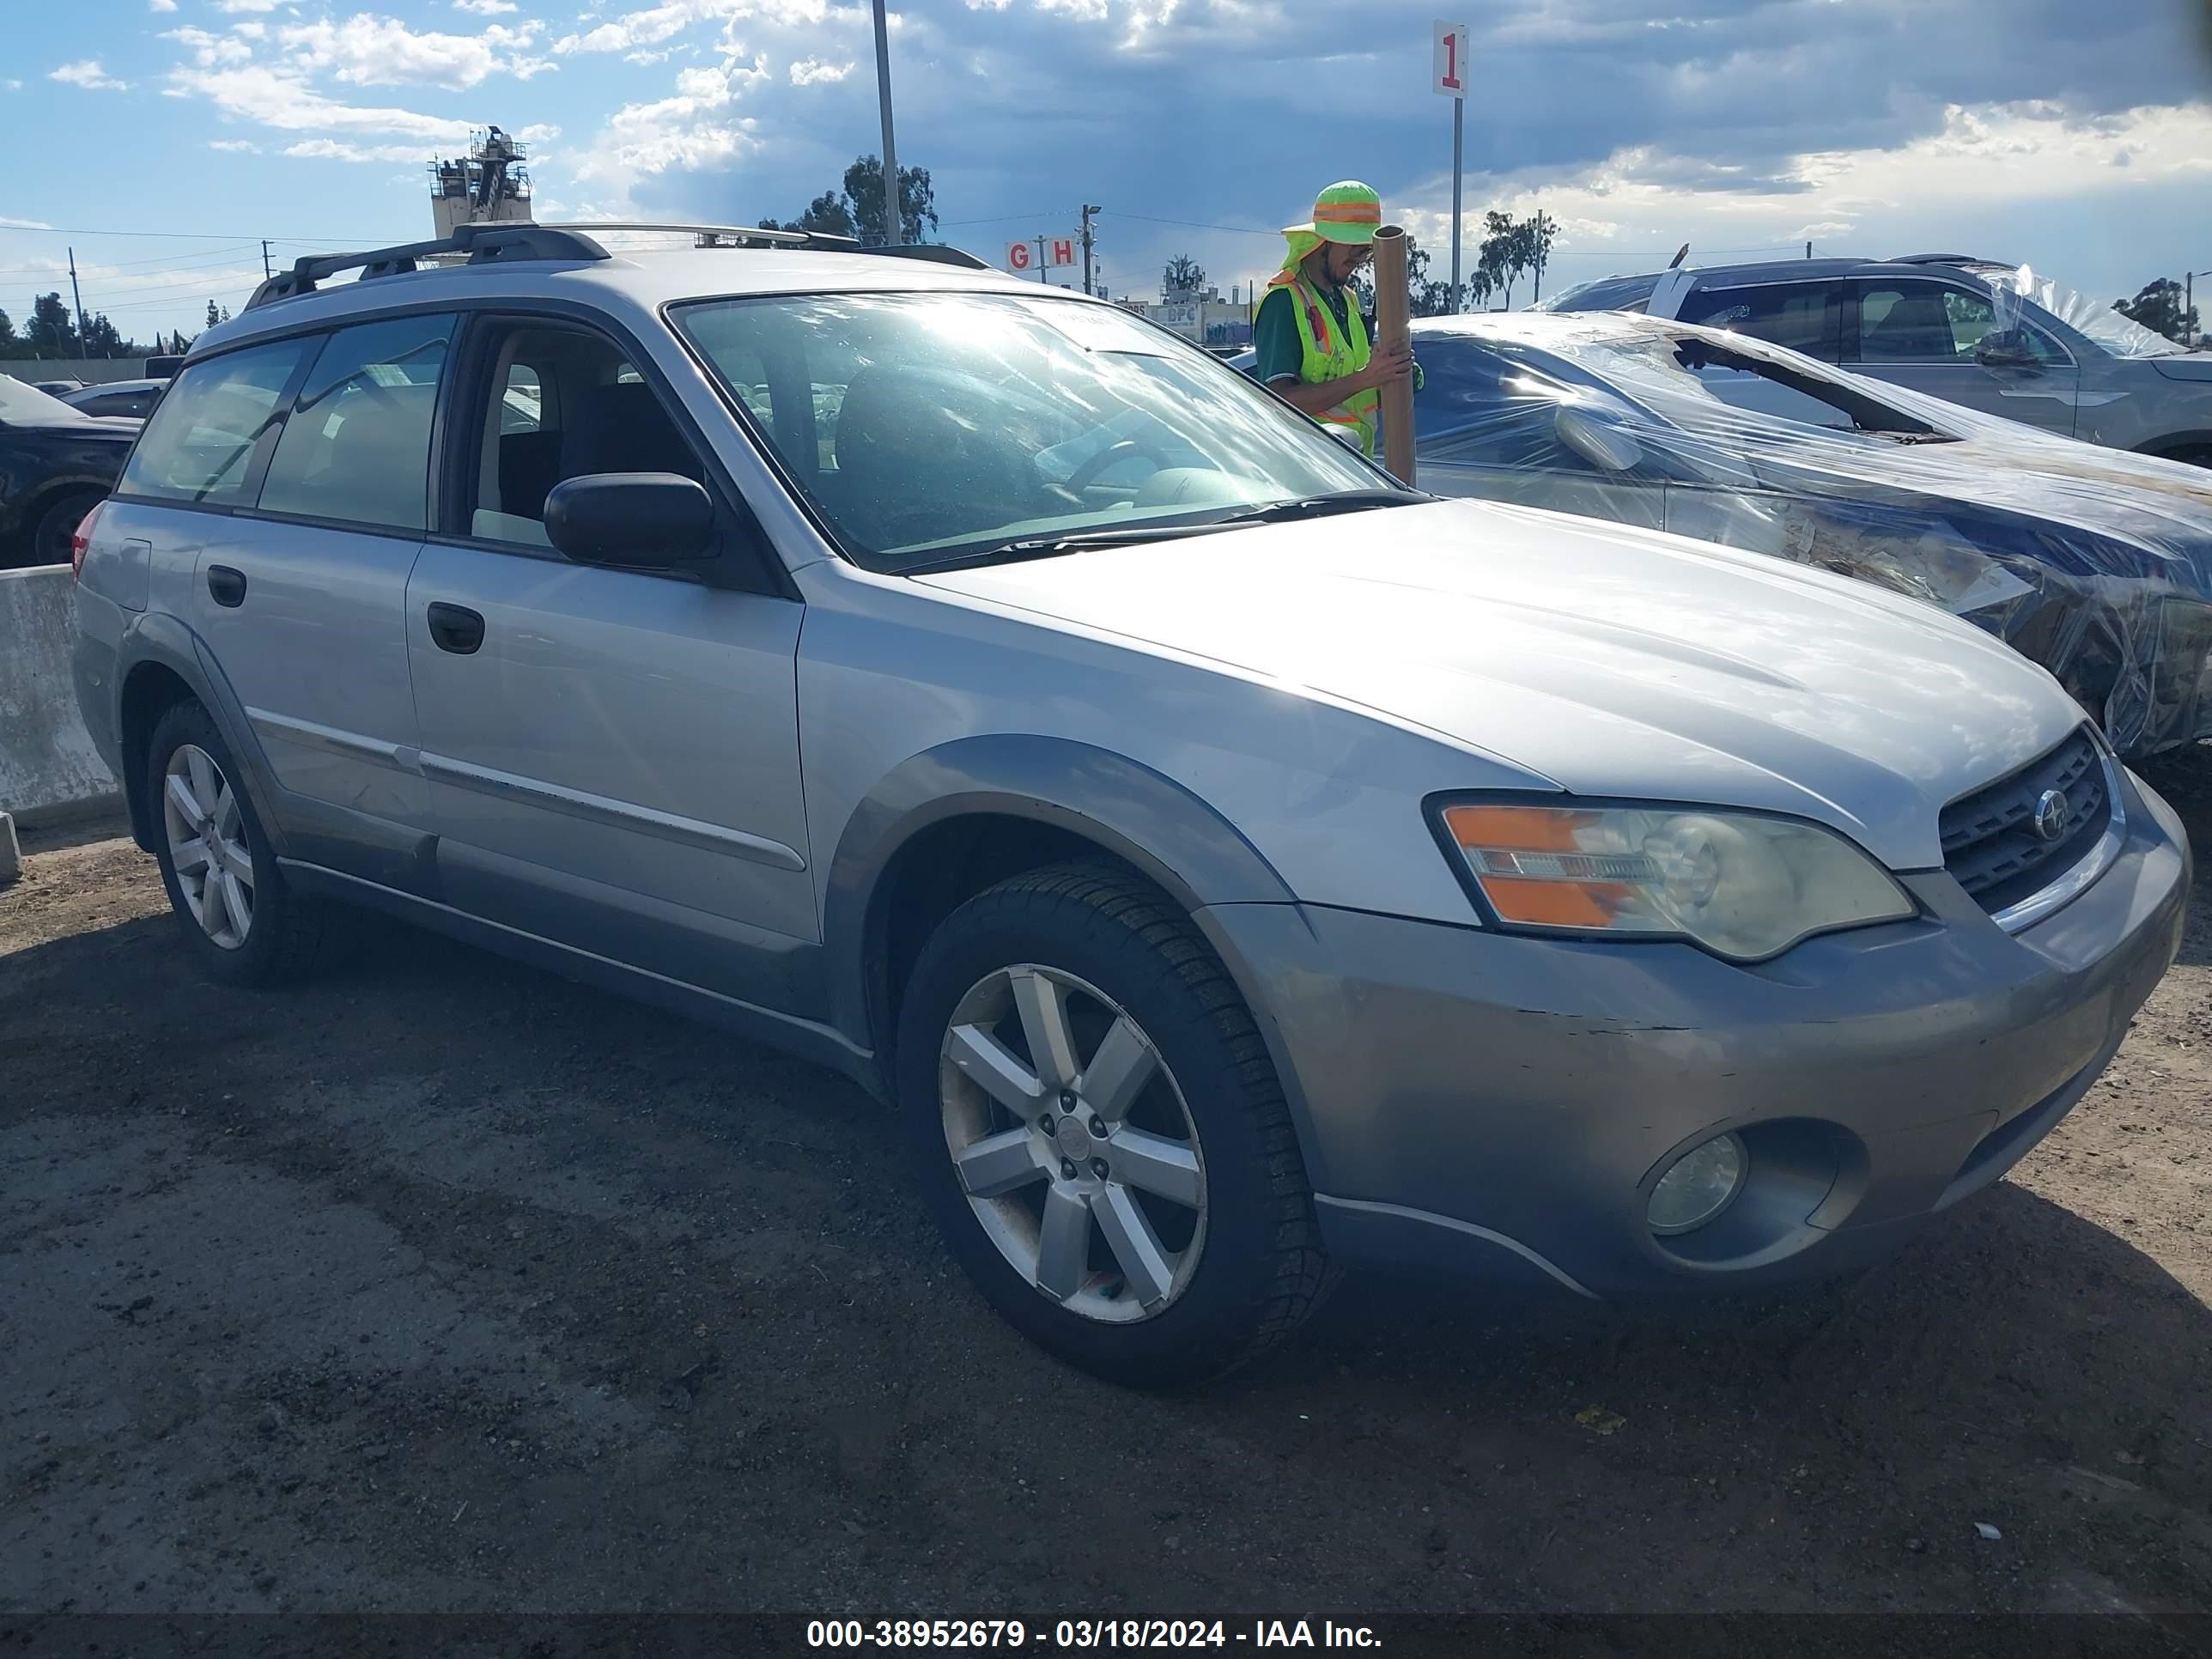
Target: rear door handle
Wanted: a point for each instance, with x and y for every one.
(455, 627)
(226, 587)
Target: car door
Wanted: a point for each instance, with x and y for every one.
(316, 452)
(1930, 335)
(612, 754)
(1489, 428)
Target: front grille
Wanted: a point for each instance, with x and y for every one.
(1990, 842)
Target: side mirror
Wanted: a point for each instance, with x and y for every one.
(1603, 445)
(638, 520)
(2005, 349)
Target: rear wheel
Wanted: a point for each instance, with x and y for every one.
(1101, 1134)
(240, 921)
(55, 526)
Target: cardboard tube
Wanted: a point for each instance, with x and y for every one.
(1392, 304)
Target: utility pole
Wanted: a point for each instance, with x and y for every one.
(894, 223)
(1087, 211)
(265, 272)
(1458, 125)
(1808, 250)
(77, 294)
(2192, 334)
(1041, 269)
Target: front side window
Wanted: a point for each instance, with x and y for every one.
(356, 447)
(924, 426)
(198, 445)
(569, 404)
(1799, 315)
(1931, 323)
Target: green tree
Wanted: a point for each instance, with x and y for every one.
(51, 333)
(100, 338)
(864, 201)
(212, 318)
(9, 346)
(2158, 305)
(1537, 234)
(1182, 275)
(1503, 255)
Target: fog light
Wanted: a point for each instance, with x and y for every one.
(1698, 1185)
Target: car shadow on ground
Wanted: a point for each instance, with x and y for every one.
(703, 1255)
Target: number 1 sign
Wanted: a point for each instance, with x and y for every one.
(1451, 71)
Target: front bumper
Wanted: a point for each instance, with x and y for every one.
(1504, 1104)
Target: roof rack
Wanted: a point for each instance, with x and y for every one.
(482, 243)
(1939, 259)
(742, 236)
(488, 243)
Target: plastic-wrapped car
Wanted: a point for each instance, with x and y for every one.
(2094, 563)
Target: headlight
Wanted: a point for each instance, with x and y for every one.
(1742, 886)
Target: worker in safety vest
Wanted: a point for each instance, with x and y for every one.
(1309, 338)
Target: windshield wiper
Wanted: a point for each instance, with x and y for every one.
(1075, 541)
(1317, 507)
(1085, 541)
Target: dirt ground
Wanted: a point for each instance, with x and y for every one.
(440, 1284)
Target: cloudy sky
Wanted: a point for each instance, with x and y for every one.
(2074, 136)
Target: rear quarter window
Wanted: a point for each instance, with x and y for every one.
(199, 444)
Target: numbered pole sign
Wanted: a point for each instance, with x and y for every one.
(1450, 77)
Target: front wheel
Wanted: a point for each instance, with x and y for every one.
(1101, 1134)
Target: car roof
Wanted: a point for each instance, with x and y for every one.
(98, 387)
(1796, 271)
(632, 280)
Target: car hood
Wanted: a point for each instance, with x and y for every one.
(1608, 661)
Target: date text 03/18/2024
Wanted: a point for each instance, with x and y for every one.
(1086, 1633)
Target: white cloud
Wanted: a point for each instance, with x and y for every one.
(809, 71)
(236, 146)
(251, 31)
(332, 150)
(275, 98)
(24, 224)
(12, 86)
(86, 73)
(544, 133)
(485, 8)
(695, 128)
(236, 7)
(160, 5)
(212, 51)
(371, 51)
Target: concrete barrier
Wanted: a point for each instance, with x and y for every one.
(48, 767)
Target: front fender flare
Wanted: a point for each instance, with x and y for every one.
(1148, 820)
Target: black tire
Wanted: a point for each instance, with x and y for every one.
(290, 935)
(1261, 1270)
(55, 527)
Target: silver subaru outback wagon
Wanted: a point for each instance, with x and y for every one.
(1226, 863)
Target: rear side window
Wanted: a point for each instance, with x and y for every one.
(199, 445)
(357, 445)
(1799, 315)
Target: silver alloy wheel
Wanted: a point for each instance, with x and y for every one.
(1086, 1173)
(207, 845)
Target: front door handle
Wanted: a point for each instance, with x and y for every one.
(455, 627)
(226, 587)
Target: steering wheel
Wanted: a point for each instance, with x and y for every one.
(1087, 474)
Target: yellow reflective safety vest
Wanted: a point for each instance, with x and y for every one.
(1331, 353)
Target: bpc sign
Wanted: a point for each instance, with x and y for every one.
(1022, 258)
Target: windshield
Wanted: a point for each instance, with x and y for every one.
(2117, 334)
(19, 401)
(928, 425)
(1701, 382)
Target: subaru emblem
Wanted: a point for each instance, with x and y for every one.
(2051, 815)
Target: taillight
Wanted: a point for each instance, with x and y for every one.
(81, 542)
